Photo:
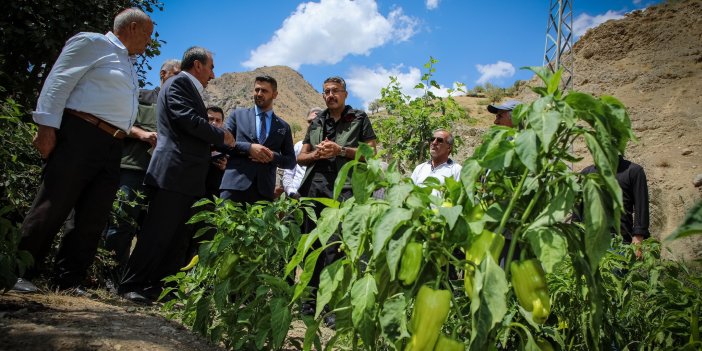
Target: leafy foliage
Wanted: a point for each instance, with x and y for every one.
(237, 292)
(34, 31)
(18, 181)
(411, 122)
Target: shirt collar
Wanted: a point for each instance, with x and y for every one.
(447, 163)
(198, 85)
(115, 40)
(258, 111)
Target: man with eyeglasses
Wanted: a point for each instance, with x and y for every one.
(331, 140)
(292, 178)
(503, 113)
(440, 165)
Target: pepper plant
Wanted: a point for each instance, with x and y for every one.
(516, 186)
(235, 292)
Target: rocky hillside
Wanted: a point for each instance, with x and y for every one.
(295, 95)
(651, 60)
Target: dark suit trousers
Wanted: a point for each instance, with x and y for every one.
(161, 248)
(82, 173)
(248, 196)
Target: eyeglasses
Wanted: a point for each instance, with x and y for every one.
(439, 140)
(330, 92)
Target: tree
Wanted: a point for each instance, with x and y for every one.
(411, 122)
(295, 127)
(34, 31)
(374, 106)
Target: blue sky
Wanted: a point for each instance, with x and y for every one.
(365, 41)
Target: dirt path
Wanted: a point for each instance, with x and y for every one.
(59, 322)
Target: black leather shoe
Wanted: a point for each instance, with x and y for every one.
(136, 297)
(25, 286)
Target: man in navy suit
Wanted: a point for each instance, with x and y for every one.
(263, 143)
(175, 177)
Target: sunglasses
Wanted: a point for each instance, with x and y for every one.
(439, 140)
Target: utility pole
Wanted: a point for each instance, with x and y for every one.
(558, 52)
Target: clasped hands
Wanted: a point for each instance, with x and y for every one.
(327, 149)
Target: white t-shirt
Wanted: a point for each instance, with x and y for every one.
(447, 169)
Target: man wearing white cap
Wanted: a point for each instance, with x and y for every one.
(503, 113)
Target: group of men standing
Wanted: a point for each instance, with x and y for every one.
(94, 139)
(87, 114)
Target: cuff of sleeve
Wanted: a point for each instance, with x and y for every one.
(47, 119)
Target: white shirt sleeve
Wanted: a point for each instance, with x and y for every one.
(76, 58)
(291, 179)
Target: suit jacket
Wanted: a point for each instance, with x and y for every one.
(182, 155)
(241, 171)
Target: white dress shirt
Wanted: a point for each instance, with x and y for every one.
(93, 74)
(292, 178)
(425, 170)
(198, 86)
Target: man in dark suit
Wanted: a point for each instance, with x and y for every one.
(176, 176)
(263, 143)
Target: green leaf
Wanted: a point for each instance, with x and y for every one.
(304, 244)
(560, 204)
(691, 225)
(451, 214)
(397, 194)
(544, 118)
(280, 321)
(597, 221)
(359, 182)
(542, 71)
(387, 226)
(554, 82)
(395, 248)
(548, 244)
(329, 280)
(354, 228)
(393, 318)
(311, 337)
(527, 149)
(324, 201)
(342, 178)
(307, 272)
(604, 168)
(363, 295)
(490, 306)
(470, 174)
(328, 224)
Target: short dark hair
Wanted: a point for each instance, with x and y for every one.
(216, 109)
(194, 53)
(336, 79)
(269, 79)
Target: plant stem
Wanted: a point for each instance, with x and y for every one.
(512, 202)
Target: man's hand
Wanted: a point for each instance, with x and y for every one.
(260, 153)
(221, 163)
(229, 139)
(328, 149)
(277, 192)
(636, 240)
(45, 141)
(147, 137)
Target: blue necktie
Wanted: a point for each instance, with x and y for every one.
(262, 132)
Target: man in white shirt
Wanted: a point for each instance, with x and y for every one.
(292, 178)
(440, 165)
(86, 107)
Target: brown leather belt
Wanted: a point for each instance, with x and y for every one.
(104, 126)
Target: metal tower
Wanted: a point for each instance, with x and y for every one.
(558, 52)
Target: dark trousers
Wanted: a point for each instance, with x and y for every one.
(248, 196)
(163, 242)
(124, 225)
(321, 184)
(82, 173)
